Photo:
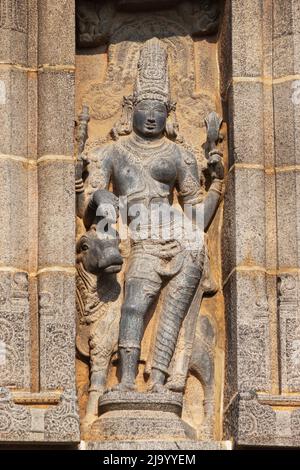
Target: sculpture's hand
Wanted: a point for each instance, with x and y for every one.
(215, 164)
(106, 204)
(81, 164)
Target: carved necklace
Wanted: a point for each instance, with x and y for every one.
(141, 152)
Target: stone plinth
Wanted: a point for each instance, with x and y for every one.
(156, 445)
(134, 416)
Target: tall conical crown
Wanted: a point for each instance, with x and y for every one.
(153, 78)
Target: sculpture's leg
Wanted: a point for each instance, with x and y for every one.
(97, 387)
(139, 295)
(179, 294)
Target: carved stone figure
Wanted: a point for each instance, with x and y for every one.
(201, 15)
(93, 22)
(98, 260)
(148, 167)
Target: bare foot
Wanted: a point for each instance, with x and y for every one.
(175, 387)
(123, 387)
(158, 388)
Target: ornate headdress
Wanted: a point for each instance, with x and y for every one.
(152, 83)
(153, 78)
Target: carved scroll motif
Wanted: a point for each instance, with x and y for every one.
(14, 331)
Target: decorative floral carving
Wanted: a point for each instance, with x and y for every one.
(62, 422)
(14, 330)
(289, 324)
(15, 420)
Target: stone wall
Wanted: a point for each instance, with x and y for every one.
(261, 222)
(37, 320)
(259, 85)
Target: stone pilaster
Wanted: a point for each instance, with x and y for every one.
(261, 234)
(56, 253)
(15, 163)
(37, 236)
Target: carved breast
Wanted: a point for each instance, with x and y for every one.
(163, 170)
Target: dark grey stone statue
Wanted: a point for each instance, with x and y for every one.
(146, 165)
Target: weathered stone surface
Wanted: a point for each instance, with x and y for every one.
(288, 228)
(56, 113)
(244, 227)
(245, 104)
(56, 32)
(61, 424)
(248, 348)
(287, 122)
(136, 425)
(14, 209)
(286, 38)
(13, 32)
(246, 24)
(15, 420)
(114, 401)
(289, 325)
(57, 330)
(253, 423)
(13, 116)
(14, 330)
(155, 445)
(56, 196)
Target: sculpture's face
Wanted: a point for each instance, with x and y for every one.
(149, 118)
(99, 256)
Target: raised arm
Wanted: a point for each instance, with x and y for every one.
(103, 174)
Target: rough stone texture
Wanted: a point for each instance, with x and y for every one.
(244, 230)
(13, 116)
(245, 104)
(253, 423)
(13, 32)
(56, 179)
(286, 38)
(57, 330)
(288, 228)
(14, 209)
(263, 334)
(287, 122)
(155, 445)
(14, 330)
(56, 22)
(137, 425)
(248, 348)
(289, 310)
(246, 23)
(56, 113)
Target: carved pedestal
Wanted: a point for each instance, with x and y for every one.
(132, 420)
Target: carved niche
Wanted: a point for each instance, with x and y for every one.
(105, 74)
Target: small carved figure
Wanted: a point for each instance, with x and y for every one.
(201, 16)
(93, 22)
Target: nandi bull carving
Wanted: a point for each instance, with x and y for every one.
(97, 294)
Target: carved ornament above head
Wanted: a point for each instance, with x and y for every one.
(95, 18)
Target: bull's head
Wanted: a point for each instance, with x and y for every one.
(98, 255)
(98, 248)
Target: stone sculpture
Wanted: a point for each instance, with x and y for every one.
(146, 165)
